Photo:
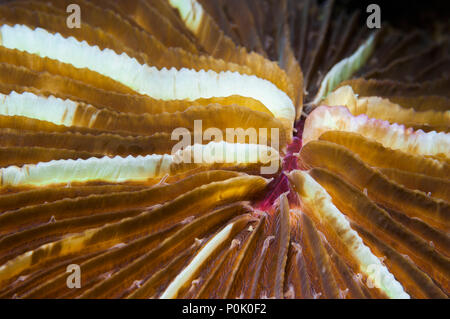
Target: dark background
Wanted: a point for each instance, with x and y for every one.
(404, 14)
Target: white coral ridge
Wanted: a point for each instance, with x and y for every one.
(395, 136)
(187, 274)
(140, 168)
(191, 12)
(316, 196)
(50, 109)
(164, 84)
(383, 109)
(345, 68)
(115, 169)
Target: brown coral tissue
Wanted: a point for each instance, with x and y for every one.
(119, 178)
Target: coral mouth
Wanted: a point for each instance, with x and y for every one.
(280, 184)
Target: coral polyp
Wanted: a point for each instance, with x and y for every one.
(221, 149)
